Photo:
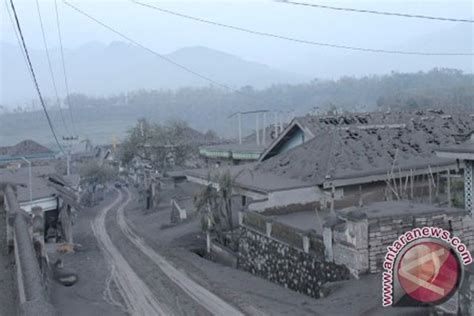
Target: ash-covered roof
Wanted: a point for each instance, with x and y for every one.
(395, 209)
(40, 179)
(20, 177)
(465, 150)
(245, 176)
(341, 151)
(315, 123)
(24, 148)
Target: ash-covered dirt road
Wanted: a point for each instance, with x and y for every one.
(148, 284)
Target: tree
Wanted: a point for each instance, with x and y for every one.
(215, 204)
(211, 135)
(160, 145)
(134, 144)
(92, 173)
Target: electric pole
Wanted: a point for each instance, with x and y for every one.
(69, 140)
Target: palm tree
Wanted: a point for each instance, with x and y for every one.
(215, 204)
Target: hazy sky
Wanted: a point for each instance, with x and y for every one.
(167, 33)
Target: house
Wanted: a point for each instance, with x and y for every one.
(231, 153)
(262, 190)
(55, 195)
(26, 149)
(304, 128)
(250, 149)
(41, 194)
(335, 162)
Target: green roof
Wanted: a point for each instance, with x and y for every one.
(6, 158)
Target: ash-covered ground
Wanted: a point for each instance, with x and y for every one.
(87, 296)
(353, 297)
(94, 294)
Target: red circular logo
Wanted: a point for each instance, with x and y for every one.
(429, 272)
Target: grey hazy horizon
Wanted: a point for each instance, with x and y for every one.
(166, 34)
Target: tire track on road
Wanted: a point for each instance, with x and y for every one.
(137, 296)
(201, 295)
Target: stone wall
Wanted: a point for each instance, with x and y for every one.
(286, 256)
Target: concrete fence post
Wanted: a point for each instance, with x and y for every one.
(327, 239)
(268, 226)
(38, 235)
(10, 222)
(306, 244)
(183, 213)
(241, 218)
(208, 236)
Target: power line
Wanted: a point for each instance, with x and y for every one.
(194, 73)
(182, 67)
(35, 81)
(404, 15)
(66, 84)
(45, 43)
(17, 37)
(303, 41)
(149, 49)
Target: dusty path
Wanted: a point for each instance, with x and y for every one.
(199, 294)
(139, 299)
(146, 281)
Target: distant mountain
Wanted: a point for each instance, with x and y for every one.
(99, 69)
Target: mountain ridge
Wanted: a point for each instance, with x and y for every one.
(102, 69)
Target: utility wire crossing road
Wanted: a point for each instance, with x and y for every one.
(138, 298)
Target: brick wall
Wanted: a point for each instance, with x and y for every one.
(286, 256)
(383, 232)
(361, 243)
